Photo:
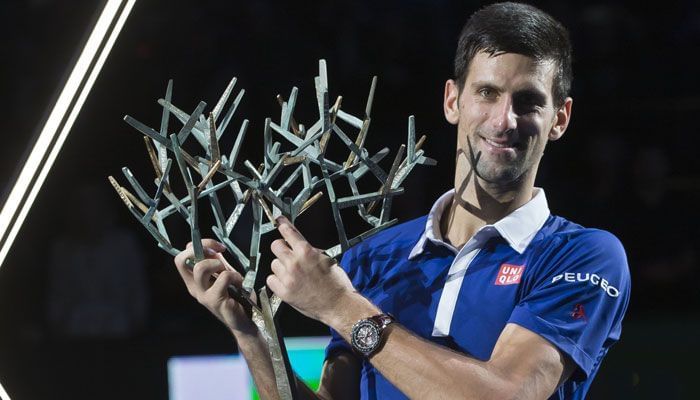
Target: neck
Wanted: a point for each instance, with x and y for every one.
(477, 203)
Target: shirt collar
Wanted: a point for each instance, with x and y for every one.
(518, 228)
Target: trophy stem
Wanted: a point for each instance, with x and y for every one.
(284, 377)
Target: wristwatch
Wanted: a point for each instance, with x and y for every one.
(367, 335)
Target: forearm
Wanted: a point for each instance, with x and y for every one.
(421, 369)
(254, 350)
(523, 365)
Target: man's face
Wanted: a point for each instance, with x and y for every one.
(505, 115)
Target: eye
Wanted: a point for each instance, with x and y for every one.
(525, 108)
(487, 92)
(525, 103)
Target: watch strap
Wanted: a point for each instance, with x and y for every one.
(383, 320)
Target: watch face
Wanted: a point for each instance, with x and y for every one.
(365, 337)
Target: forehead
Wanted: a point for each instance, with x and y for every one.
(511, 71)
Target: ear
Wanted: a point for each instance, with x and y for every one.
(562, 118)
(451, 102)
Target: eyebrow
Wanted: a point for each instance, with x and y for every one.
(482, 84)
(530, 91)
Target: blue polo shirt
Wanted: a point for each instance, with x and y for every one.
(567, 283)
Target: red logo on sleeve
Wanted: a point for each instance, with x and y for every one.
(509, 274)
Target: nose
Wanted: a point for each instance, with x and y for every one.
(504, 117)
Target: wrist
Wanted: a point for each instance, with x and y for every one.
(350, 308)
(248, 339)
(245, 331)
(369, 335)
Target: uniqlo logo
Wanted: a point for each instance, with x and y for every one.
(509, 274)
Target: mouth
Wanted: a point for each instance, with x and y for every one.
(501, 145)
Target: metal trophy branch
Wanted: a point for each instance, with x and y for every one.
(265, 189)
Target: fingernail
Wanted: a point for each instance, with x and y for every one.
(209, 252)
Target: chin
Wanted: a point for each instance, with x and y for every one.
(503, 176)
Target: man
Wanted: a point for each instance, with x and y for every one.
(493, 297)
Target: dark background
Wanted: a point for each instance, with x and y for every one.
(627, 163)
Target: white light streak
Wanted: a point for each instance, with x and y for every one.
(60, 120)
(3, 393)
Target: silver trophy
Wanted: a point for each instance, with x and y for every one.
(267, 189)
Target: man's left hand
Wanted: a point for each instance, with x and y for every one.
(306, 278)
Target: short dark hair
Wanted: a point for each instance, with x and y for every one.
(516, 28)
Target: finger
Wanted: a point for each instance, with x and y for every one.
(290, 233)
(203, 272)
(223, 260)
(281, 249)
(278, 268)
(181, 263)
(210, 246)
(237, 277)
(274, 284)
(210, 243)
(185, 270)
(185, 259)
(214, 245)
(218, 290)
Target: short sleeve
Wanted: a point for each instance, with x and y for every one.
(578, 302)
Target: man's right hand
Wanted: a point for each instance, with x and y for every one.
(210, 291)
(340, 378)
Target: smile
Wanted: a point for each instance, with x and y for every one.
(500, 146)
